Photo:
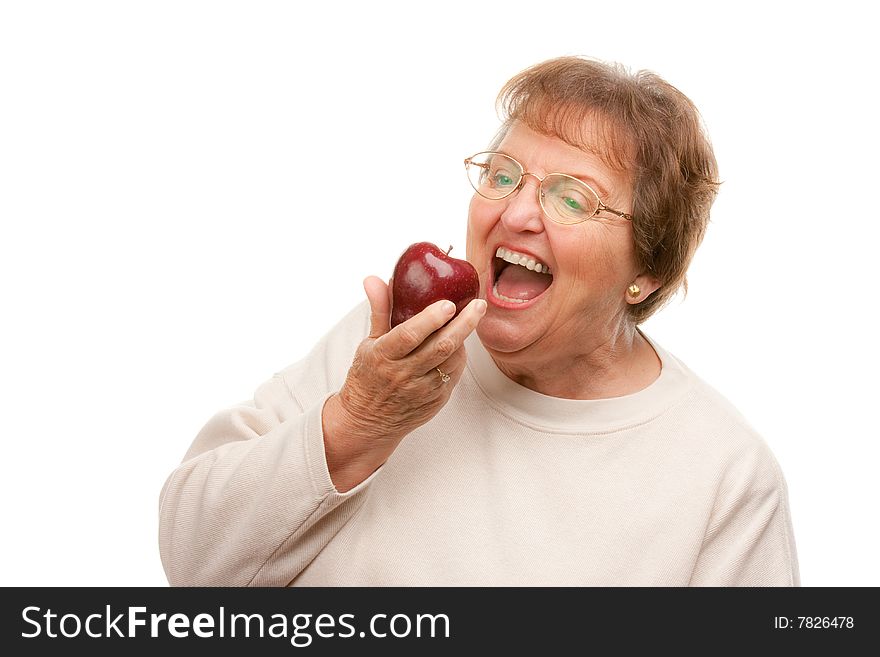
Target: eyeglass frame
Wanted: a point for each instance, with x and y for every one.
(601, 207)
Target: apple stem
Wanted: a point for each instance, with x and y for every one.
(449, 249)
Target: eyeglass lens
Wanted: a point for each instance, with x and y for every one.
(564, 199)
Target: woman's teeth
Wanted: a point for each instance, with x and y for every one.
(501, 296)
(522, 260)
(515, 258)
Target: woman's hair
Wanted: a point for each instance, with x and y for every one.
(640, 124)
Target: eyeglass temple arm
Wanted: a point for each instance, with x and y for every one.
(604, 207)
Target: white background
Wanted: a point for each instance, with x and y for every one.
(192, 192)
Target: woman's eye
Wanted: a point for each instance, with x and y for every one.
(503, 180)
(572, 203)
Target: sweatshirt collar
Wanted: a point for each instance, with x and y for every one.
(578, 415)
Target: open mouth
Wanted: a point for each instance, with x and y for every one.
(518, 279)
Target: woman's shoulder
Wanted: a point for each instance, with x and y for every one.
(703, 398)
(711, 424)
(326, 363)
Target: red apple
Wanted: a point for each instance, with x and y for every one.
(425, 274)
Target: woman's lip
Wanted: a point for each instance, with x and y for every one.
(509, 305)
(521, 251)
(490, 282)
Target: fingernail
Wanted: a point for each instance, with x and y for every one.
(448, 307)
(481, 306)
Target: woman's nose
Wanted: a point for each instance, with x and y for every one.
(523, 211)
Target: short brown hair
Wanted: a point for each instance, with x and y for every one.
(645, 127)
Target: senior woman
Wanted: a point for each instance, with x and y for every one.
(539, 437)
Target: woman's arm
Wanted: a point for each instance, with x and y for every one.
(268, 483)
(253, 502)
(750, 540)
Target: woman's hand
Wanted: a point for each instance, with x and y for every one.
(393, 385)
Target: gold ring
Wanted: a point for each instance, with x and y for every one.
(443, 375)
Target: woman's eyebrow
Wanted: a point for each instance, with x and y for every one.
(598, 187)
(592, 182)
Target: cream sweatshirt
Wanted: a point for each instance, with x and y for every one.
(669, 486)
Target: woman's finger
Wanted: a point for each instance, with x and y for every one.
(449, 340)
(380, 306)
(444, 375)
(408, 336)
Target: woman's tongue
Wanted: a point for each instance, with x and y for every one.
(517, 282)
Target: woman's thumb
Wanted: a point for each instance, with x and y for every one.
(379, 296)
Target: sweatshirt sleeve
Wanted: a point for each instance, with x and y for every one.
(749, 540)
(252, 504)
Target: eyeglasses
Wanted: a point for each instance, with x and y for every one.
(563, 198)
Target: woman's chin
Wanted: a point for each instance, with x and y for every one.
(499, 335)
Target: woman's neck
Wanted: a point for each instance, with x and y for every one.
(615, 367)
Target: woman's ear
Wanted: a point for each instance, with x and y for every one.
(643, 286)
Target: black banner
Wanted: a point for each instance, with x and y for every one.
(434, 620)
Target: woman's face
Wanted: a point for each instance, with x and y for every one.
(591, 263)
